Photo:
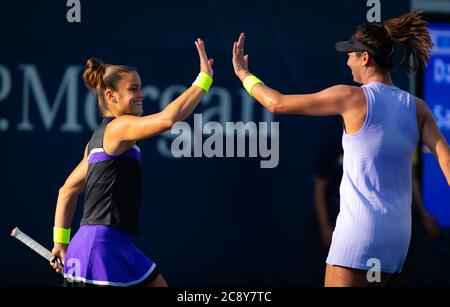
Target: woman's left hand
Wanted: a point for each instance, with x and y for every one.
(240, 59)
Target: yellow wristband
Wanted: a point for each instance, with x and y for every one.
(249, 83)
(203, 81)
(61, 235)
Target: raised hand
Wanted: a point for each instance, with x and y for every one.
(240, 59)
(205, 64)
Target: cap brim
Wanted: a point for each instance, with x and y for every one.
(345, 46)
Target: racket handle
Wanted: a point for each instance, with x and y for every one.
(60, 264)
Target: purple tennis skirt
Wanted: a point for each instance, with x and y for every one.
(100, 255)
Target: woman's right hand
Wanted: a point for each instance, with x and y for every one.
(59, 250)
(205, 64)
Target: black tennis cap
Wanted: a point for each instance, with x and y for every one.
(353, 45)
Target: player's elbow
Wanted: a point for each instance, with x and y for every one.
(63, 191)
(166, 120)
(67, 191)
(275, 105)
(167, 124)
(274, 108)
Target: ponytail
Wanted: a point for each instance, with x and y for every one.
(410, 31)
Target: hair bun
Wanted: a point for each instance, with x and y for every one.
(93, 74)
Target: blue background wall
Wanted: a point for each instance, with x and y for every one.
(206, 222)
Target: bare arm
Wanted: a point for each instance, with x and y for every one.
(336, 100)
(67, 203)
(68, 194)
(433, 138)
(132, 128)
(331, 101)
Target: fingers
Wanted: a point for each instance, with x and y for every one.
(237, 50)
(240, 43)
(246, 60)
(200, 44)
(205, 63)
(55, 266)
(238, 47)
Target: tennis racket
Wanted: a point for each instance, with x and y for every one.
(38, 248)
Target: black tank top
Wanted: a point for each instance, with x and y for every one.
(113, 185)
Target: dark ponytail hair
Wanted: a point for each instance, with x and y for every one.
(409, 30)
(99, 76)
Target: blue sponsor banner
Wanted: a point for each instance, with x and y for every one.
(436, 89)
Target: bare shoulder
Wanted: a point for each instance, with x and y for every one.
(121, 124)
(351, 98)
(422, 109)
(122, 121)
(421, 106)
(347, 93)
(345, 90)
(423, 113)
(113, 142)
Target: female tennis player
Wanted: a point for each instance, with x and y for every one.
(382, 125)
(102, 252)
